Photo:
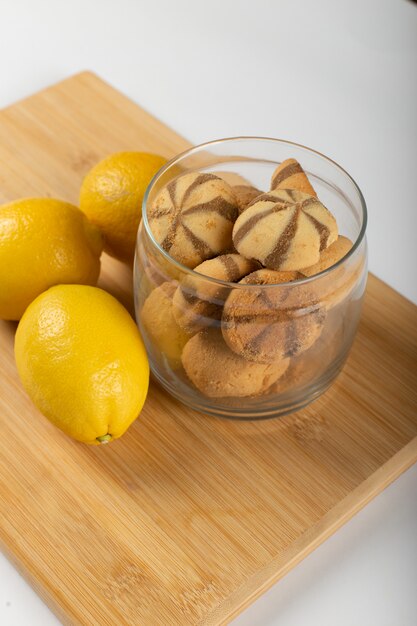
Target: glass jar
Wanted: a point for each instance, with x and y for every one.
(251, 351)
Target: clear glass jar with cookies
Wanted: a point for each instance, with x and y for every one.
(250, 271)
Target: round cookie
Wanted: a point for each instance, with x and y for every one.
(284, 230)
(290, 175)
(329, 256)
(340, 283)
(270, 323)
(243, 189)
(218, 372)
(192, 217)
(245, 194)
(310, 365)
(160, 325)
(264, 276)
(337, 285)
(198, 302)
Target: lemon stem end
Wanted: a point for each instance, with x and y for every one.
(104, 438)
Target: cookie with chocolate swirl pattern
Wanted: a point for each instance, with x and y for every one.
(284, 230)
(198, 302)
(290, 175)
(272, 319)
(192, 217)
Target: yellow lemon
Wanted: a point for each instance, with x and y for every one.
(43, 242)
(82, 361)
(111, 197)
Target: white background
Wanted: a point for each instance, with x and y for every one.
(335, 75)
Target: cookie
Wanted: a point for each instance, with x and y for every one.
(160, 326)
(338, 284)
(243, 189)
(233, 178)
(267, 323)
(329, 256)
(270, 277)
(284, 230)
(198, 302)
(218, 372)
(192, 217)
(290, 175)
(341, 283)
(306, 368)
(245, 194)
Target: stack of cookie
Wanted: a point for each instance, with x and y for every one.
(239, 340)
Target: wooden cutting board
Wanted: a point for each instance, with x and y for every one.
(188, 518)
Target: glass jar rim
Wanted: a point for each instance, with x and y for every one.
(299, 281)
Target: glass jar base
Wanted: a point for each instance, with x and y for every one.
(278, 407)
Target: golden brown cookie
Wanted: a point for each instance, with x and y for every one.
(307, 368)
(284, 230)
(218, 372)
(269, 323)
(290, 175)
(264, 276)
(340, 284)
(156, 316)
(192, 217)
(329, 256)
(232, 178)
(245, 194)
(334, 287)
(243, 189)
(198, 302)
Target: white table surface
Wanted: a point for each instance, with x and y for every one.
(335, 75)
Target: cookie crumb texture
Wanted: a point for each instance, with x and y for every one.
(218, 372)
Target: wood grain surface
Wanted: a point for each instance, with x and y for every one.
(187, 519)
